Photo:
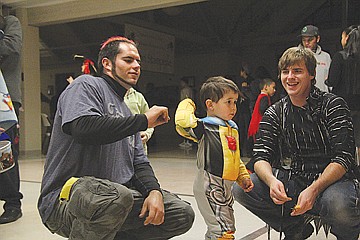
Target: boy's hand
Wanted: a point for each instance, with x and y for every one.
(246, 184)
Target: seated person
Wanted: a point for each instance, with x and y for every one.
(317, 133)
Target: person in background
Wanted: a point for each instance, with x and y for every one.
(10, 65)
(137, 104)
(313, 130)
(87, 67)
(267, 86)
(244, 108)
(247, 82)
(151, 94)
(310, 38)
(98, 183)
(218, 158)
(344, 76)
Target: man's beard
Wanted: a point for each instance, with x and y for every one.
(119, 79)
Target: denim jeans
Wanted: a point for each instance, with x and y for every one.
(100, 209)
(338, 206)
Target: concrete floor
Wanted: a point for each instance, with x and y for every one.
(175, 169)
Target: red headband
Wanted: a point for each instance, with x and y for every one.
(116, 38)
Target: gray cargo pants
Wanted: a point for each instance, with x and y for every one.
(100, 209)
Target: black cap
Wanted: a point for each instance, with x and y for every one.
(309, 31)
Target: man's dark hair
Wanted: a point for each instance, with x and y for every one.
(352, 46)
(296, 55)
(110, 49)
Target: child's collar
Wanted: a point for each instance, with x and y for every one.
(218, 121)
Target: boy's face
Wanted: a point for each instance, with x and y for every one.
(225, 108)
(270, 89)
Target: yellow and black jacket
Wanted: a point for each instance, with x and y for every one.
(219, 140)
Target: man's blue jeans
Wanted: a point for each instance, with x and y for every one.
(338, 205)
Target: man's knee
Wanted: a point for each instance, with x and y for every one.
(179, 215)
(339, 205)
(189, 217)
(94, 198)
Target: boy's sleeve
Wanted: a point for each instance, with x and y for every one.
(185, 119)
(243, 172)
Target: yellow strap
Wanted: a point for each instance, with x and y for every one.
(227, 235)
(65, 191)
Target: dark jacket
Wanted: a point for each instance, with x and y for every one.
(344, 78)
(10, 57)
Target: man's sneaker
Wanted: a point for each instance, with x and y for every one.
(306, 233)
(10, 215)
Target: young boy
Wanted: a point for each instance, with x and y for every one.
(218, 157)
(263, 101)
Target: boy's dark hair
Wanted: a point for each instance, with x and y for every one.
(110, 49)
(214, 88)
(265, 82)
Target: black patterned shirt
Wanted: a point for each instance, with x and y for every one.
(312, 136)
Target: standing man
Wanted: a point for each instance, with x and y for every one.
(310, 38)
(98, 182)
(316, 133)
(10, 65)
(243, 114)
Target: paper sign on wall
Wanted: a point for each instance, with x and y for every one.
(156, 48)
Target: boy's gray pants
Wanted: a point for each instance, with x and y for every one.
(100, 209)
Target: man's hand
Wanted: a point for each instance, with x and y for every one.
(157, 115)
(277, 192)
(332, 173)
(154, 205)
(305, 201)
